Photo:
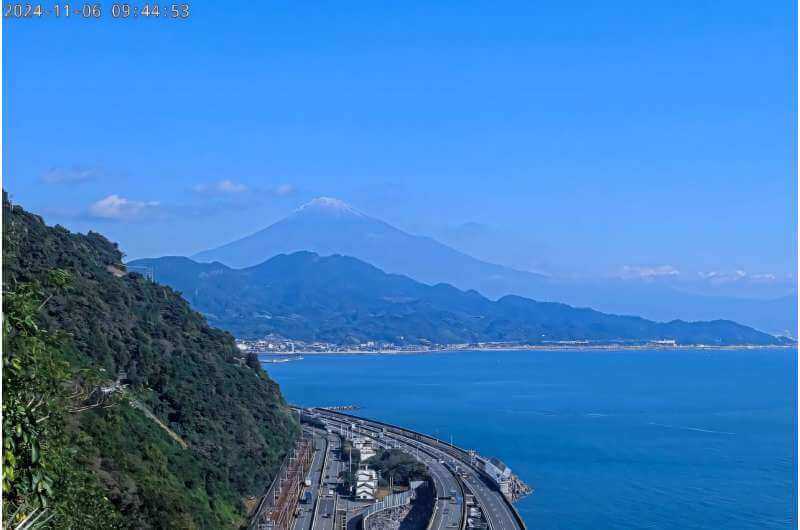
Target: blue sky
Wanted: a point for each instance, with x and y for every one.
(583, 138)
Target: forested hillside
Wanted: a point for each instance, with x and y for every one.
(344, 300)
(90, 351)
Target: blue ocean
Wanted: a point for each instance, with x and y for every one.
(623, 439)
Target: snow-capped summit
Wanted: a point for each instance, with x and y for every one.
(328, 206)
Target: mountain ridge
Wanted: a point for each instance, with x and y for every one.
(343, 299)
(329, 226)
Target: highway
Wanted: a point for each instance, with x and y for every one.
(450, 502)
(329, 485)
(326, 486)
(305, 518)
(496, 510)
(489, 498)
(448, 512)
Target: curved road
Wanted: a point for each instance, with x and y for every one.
(447, 513)
(495, 508)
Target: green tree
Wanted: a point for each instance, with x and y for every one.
(33, 405)
(39, 475)
(132, 411)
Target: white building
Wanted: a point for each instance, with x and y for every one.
(500, 473)
(364, 447)
(665, 342)
(366, 484)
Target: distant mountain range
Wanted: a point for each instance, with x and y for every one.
(329, 226)
(344, 300)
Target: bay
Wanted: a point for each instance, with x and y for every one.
(609, 439)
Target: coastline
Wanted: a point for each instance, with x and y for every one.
(583, 348)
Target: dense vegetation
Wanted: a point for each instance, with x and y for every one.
(121, 406)
(343, 300)
(44, 484)
(392, 464)
(398, 466)
(352, 456)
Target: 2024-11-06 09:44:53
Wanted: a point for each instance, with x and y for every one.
(24, 10)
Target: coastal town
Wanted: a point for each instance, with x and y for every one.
(277, 345)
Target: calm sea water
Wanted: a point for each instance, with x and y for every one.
(660, 439)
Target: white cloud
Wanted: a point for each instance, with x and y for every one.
(648, 273)
(229, 188)
(121, 209)
(220, 187)
(721, 277)
(283, 190)
(69, 175)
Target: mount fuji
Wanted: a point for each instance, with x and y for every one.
(329, 226)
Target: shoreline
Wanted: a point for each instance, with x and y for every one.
(610, 348)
